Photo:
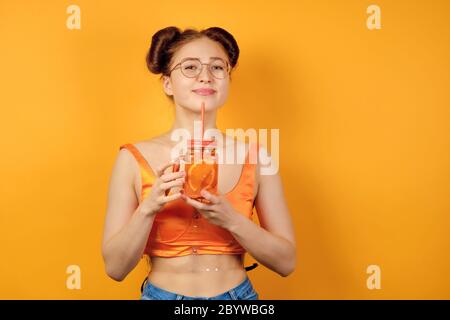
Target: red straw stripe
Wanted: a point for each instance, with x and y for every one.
(203, 121)
(203, 117)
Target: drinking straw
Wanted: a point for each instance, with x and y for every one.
(203, 121)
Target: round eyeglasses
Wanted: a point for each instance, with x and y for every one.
(192, 67)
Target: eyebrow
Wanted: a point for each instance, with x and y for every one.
(199, 58)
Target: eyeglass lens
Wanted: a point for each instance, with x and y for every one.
(192, 68)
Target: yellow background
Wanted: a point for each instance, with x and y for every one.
(363, 118)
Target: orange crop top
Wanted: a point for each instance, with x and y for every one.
(179, 229)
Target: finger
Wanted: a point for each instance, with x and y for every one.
(167, 185)
(167, 191)
(209, 196)
(172, 175)
(196, 204)
(161, 169)
(172, 197)
(177, 162)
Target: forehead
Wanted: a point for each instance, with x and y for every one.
(203, 48)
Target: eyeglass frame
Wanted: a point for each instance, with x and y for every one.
(208, 64)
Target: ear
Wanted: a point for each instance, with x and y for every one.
(167, 85)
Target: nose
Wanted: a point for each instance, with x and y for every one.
(205, 75)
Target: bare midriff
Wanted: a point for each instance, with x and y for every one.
(203, 275)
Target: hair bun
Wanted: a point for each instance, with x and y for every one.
(227, 40)
(157, 57)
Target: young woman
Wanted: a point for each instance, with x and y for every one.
(196, 249)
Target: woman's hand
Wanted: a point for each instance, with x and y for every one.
(158, 196)
(220, 212)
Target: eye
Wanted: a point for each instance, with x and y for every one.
(190, 67)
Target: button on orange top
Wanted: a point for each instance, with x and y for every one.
(179, 230)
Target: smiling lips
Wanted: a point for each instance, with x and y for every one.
(204, 91)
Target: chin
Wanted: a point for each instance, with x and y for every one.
(209, 105)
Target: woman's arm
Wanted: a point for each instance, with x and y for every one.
(273, 244)
(127, 224)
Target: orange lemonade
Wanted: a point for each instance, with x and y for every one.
(201, 171)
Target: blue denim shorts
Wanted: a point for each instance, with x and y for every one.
(243, 291)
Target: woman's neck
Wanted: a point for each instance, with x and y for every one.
(185, 119)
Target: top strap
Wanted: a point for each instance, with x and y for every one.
(139, 157)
